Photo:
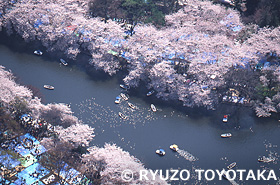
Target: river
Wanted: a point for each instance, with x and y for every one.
(92, 100)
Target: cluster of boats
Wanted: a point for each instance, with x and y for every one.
(173, 147)
(125, 97)
(127, 87)
(120, 97)
(235, 99)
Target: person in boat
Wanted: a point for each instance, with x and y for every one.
(153, 107)
(118, 100)
(174, 147)
(38, 52)
(150, 93)
(160, 152)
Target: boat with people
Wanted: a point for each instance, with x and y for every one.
(225, 118)
(226, 135)
(125, 97)
(50, 87)
(131, 105)
(38, 52)
(174, 147)
(118, 100)
(124, 86)
(265, 159)
(150, 93)
(160, 152)
(232, 165)
(153, 107)
(63, 62)
(122, 115)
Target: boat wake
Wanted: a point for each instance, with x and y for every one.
(188, 156)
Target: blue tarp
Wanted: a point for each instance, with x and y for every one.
(21, 150)
(38, 150)
(123, 56)
(4, 181)
(68, 172)
(25, 115)
(32, 174)
(57, 183)
(128, 32)
(236, 28)
(38, 23)
(28, 136)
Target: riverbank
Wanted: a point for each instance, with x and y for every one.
(18, 45)
(185, 74)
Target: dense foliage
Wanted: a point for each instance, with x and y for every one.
(189, 59)
(134, 11)
(263, 12)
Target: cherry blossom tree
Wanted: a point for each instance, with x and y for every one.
(265, 109)
(187, 60)
(78, 134)
(112, 162)
(10, 90)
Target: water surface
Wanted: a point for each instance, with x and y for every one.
(92, 100)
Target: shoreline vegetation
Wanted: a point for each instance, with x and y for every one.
(71, 138)
(202, 54)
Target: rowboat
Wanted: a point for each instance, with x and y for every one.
(124, 87)
(150, 93)
(63, 62)
(131, 105)
(153, 107)
(49, 87)
(38, 52)
(232, 165)
(226, 135)
(225, 118)
(122, 115)
(265, 159)
(160, 152)
(118, 100)
(174, 147)
(124, 96)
